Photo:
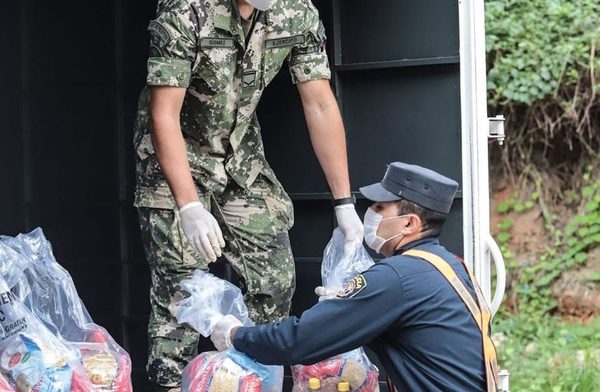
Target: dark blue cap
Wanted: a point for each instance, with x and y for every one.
(415, 184)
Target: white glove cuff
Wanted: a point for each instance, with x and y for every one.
(228, 342)
(190, 205)
(344, 207)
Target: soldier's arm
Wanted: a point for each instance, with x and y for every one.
(167, 138)
(309, 69)
(326, 133)
(172, 52)
(368, 307)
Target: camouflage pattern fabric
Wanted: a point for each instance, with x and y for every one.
(201, 46)
(255, 222)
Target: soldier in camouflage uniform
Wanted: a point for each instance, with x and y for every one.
(204, 188)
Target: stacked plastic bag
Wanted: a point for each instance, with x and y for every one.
(228, 371)
(48, 341)
(341, 263)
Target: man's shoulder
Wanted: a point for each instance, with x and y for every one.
(293, 16)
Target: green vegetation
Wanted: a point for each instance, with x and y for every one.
(559, 357)
(543, 75)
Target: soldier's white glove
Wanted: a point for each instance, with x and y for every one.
(349, 223)
(324, 293)
(221, 335)
(202, 230)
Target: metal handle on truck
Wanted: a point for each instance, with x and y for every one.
(496, 256)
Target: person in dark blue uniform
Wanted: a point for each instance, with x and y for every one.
(402, 307)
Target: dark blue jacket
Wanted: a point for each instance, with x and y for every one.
(404, 309)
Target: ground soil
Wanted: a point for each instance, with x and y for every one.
(577, 294)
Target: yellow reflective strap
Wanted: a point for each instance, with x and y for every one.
(479, 310)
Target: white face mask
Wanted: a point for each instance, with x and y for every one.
(261, 5)
(371, 223)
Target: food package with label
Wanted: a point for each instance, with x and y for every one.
(49, 292)
(210, 298)
(342, 262)
(32, 358)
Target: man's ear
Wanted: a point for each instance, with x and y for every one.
(413, 224)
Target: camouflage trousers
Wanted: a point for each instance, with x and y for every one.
(254, 223)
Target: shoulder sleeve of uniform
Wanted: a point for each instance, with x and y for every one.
(308, 60)
(173, 46)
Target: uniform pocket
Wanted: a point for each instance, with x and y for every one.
(216, 67)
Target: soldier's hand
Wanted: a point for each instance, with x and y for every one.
(349, 223)
(202, 230)
(325, 293)
(221, 335)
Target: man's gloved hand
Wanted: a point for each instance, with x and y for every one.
(324, 293)
(202, 230)
(221, 336)
(349, 223)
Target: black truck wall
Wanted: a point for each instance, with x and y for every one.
(69, 78)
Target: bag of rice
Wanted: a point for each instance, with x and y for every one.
(341, 263)
(228, 371)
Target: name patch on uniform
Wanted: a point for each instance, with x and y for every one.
(217, 42)
(286, 41)
(354, 287)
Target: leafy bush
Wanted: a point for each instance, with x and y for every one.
(543, 74)
(535, 46)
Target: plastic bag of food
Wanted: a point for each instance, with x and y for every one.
(341, 263)
(353, 367)
(51, 295)
(228, 371)
(31, 357)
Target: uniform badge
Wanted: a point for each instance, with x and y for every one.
(353, 287)
(249, 80)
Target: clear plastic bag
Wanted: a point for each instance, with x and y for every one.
(229, 371)
(49, 293)
(209, 299)
(32, 358)
(341, 263)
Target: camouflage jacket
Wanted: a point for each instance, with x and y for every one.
(200, 45)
